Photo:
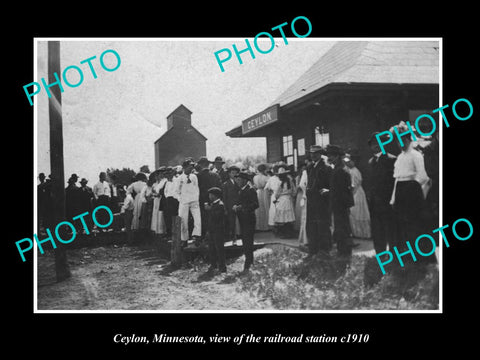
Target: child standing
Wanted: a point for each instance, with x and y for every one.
(283, 199)
(216, 230)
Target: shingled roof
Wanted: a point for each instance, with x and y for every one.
(387, 62)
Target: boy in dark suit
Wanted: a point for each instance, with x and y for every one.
(245, 210)
(216, 230)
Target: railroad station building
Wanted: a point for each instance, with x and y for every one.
(354, 89)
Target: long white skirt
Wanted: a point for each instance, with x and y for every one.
(302, 235)
(285, 211)
(360, 216)
(262, 212)
(158, 221)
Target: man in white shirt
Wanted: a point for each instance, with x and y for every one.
(102, 194)
(188, 198)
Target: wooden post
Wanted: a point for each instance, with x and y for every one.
(176, 249)
(62, 269)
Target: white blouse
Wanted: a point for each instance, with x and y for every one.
(410, 164)
(170, 190)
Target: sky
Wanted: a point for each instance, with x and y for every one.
(112, 121)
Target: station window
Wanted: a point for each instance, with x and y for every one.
(288, 149)
(288, 145)
(322, 137)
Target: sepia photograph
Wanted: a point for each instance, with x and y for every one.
(227, 175)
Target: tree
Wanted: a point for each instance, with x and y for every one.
(247, 161)
(145, 169)
(123, 176)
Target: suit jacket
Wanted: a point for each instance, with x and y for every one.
(230, 194)
(341, 196)
(380, 173)
(223, 175)
(248, 200)
(216, 218)
(318, 178)
(207, 180)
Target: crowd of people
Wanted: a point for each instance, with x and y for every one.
(321, 204)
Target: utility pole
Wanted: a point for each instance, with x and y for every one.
(62, 269)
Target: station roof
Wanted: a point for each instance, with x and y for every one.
(364, 62)
(382, 62)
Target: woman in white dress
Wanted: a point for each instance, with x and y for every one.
(136, 190)
(359, 213)
(147, 206)
(302, 193)
(158, 222)
(259, 182)
(271, 186)
(283, 199)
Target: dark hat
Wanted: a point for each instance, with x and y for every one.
(188, 162)
(282, 169)
(140, 177)
(335, 150)
(216, 191)
(233, 167)
(74, 176)
(316, 149)
(245, 175)
(219, 159)
(83, 181)
(203, 160)
(262, 167)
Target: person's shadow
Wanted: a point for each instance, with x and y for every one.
(206, 276)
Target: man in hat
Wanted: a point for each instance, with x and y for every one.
(86, 196)
(216, 230)
(341, 200)
(206, 180)
(72, 200)
(188, 198)
(318, 211)
(43, 198)
(231, 192)
(218, 168)
(245, 209)
(379, 192)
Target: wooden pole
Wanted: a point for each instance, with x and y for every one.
(176, 249)
(62, 269)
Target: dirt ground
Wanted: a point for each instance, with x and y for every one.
(121, 277)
